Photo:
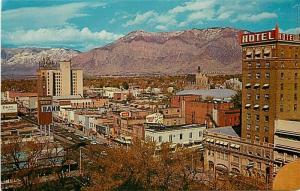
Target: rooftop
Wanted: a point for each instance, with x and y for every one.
(228, 130)
(214, 93)
(163, 128)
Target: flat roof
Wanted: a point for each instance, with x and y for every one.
(228, 130)
(215, 93)
(163, 128)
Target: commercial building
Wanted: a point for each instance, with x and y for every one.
(187, 135)
(197, 81)
(271, 82)
(286, 142)
(9, 110)
(226, 152)
(59, 81)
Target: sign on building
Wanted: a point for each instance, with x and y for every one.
(50, 108)
(9, 108)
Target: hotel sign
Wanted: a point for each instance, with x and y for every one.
(265, 36)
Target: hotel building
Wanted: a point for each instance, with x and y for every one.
(59, 82)
(271, 82)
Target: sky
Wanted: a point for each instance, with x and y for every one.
(83, 25)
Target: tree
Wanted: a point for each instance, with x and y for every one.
(125, 85)
(237, 99)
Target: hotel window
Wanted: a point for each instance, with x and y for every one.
(281, 108)
(257, 117)
(266, 119)
(267, 97)
(296, 86)
(248, 116)
(257, 75)
(191, 135)
(249, 75)
(295, 97)
(268, 65)
(282, 65)
(257, 96)
(266, 139)
(248, 96)
(267, 75)
(281, 86)
(249, 65)
(296, 64)
(257, 138)
(295, 107)
(257, 65)
(296, 76)
(256, 127)
(266, 128)
(281, 97)
(248, 126)
(248, 136)
(200, 133)
(281, 75)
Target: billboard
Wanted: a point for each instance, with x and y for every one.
(44, 117)
(9, 108)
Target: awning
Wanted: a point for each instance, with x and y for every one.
(221, 142)
(247, 105)
(256, 85)
(232, 145)
(266, 85)
(249, 53)
(217, 142)
(257, 52)
(248, 85)
(207, 140)
(266, 107)
(256, 106)
(267, 51)
(225, 143)
(237, 146)
(211, 140)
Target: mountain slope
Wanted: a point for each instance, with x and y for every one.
(24, 61)
(139, 52)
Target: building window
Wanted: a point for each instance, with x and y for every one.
(266, 96)
(295, 107)
(281, 86)
(282, 65)
(257, 138)
(249, 65)
(248, 136)
(268, 65)
(296, 86)
(296, 76)
(266, 119)
(200, 133)
(281, 97)
(257, 117)
(281, 75)
(266, 139)
(249, 75)
(191, 135)
(266, 128)
(257, 65)
(248, 126)
(160, 139)
(180, 136)
(267, 75)
(257, 75)
(259, 165)
(295, 97)
(248, 116)
(248, 96)
(256, 127)
(170, 138)
(281, 108)
(257, 96)
(235, 159)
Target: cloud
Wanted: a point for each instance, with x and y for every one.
(140, 18)
(255, 17)
(192, 6)
(40, 17)
(84, 38)
(161, 27)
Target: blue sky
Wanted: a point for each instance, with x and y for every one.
(84, 25)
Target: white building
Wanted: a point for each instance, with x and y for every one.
(188, 135)
(286, 142)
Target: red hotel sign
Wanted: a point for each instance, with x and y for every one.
(265, 36)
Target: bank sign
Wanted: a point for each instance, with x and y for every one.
(265, 36)
(50, 108)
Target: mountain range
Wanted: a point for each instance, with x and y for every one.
(142, 53)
